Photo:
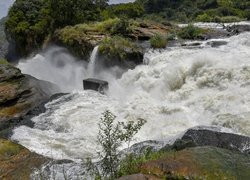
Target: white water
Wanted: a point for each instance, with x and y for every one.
(178, 89)
(212, 25)
(92, 62)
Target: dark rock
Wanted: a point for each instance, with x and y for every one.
(216, 43)
(95, 84)
(237, 29)
(215, 34)
(191, 44)
(19, 94)
(211, 137)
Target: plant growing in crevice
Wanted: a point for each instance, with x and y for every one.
(110, 137)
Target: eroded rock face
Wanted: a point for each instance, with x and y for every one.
(20, 93)
(17, 162)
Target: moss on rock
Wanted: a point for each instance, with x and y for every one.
(17, 162)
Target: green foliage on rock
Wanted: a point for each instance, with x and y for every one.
(158, 41)
(118, 46)
(191, 163)
(129, 10)
(8, 148)
(190, 32)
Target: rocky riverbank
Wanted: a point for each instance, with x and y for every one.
(202, 152)
(19, 94)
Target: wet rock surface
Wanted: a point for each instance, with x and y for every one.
(210, 137)
(20, 95)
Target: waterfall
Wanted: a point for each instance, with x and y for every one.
(178, 89)
(92, 62)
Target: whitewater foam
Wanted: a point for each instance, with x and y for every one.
(178, 89)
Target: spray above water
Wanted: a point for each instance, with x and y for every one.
(178, 89)
(56, 65)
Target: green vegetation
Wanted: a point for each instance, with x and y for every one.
(129, 10)
(7, 149)
(188, 10)
(3, 61)
(190, 32)
(158, 41)
(131, 164)
(118, 46)
(29, 22)
(111, 136)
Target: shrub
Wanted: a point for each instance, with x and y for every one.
(111, 136)
(158, 41)
(228, 19)
(190, 32)
(132, 163)
(117, 46)
(204, 18)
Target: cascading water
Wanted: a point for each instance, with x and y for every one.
(92, 62)
(178, 89)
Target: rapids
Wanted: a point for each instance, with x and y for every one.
(176, 89)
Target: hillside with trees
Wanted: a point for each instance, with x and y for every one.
(31, 23)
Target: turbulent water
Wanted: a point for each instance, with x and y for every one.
(176, 89)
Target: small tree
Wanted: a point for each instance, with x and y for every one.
(111, 136)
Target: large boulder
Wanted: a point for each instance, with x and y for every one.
(20, 93)
(204, 136)
(17, 162)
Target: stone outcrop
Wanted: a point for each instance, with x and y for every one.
(202, 136)
(80, 41)
(20, 93)
(17, 162)
(95, 84)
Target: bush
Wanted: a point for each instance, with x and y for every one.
(190, 32)
(118, 46)
(229, 19)
(132, 163)
(204, 18)
(128, 10)
(158, 41)
(111, 136)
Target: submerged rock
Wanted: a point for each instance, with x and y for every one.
(17, 162)
(20, 93)
(216, 43)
